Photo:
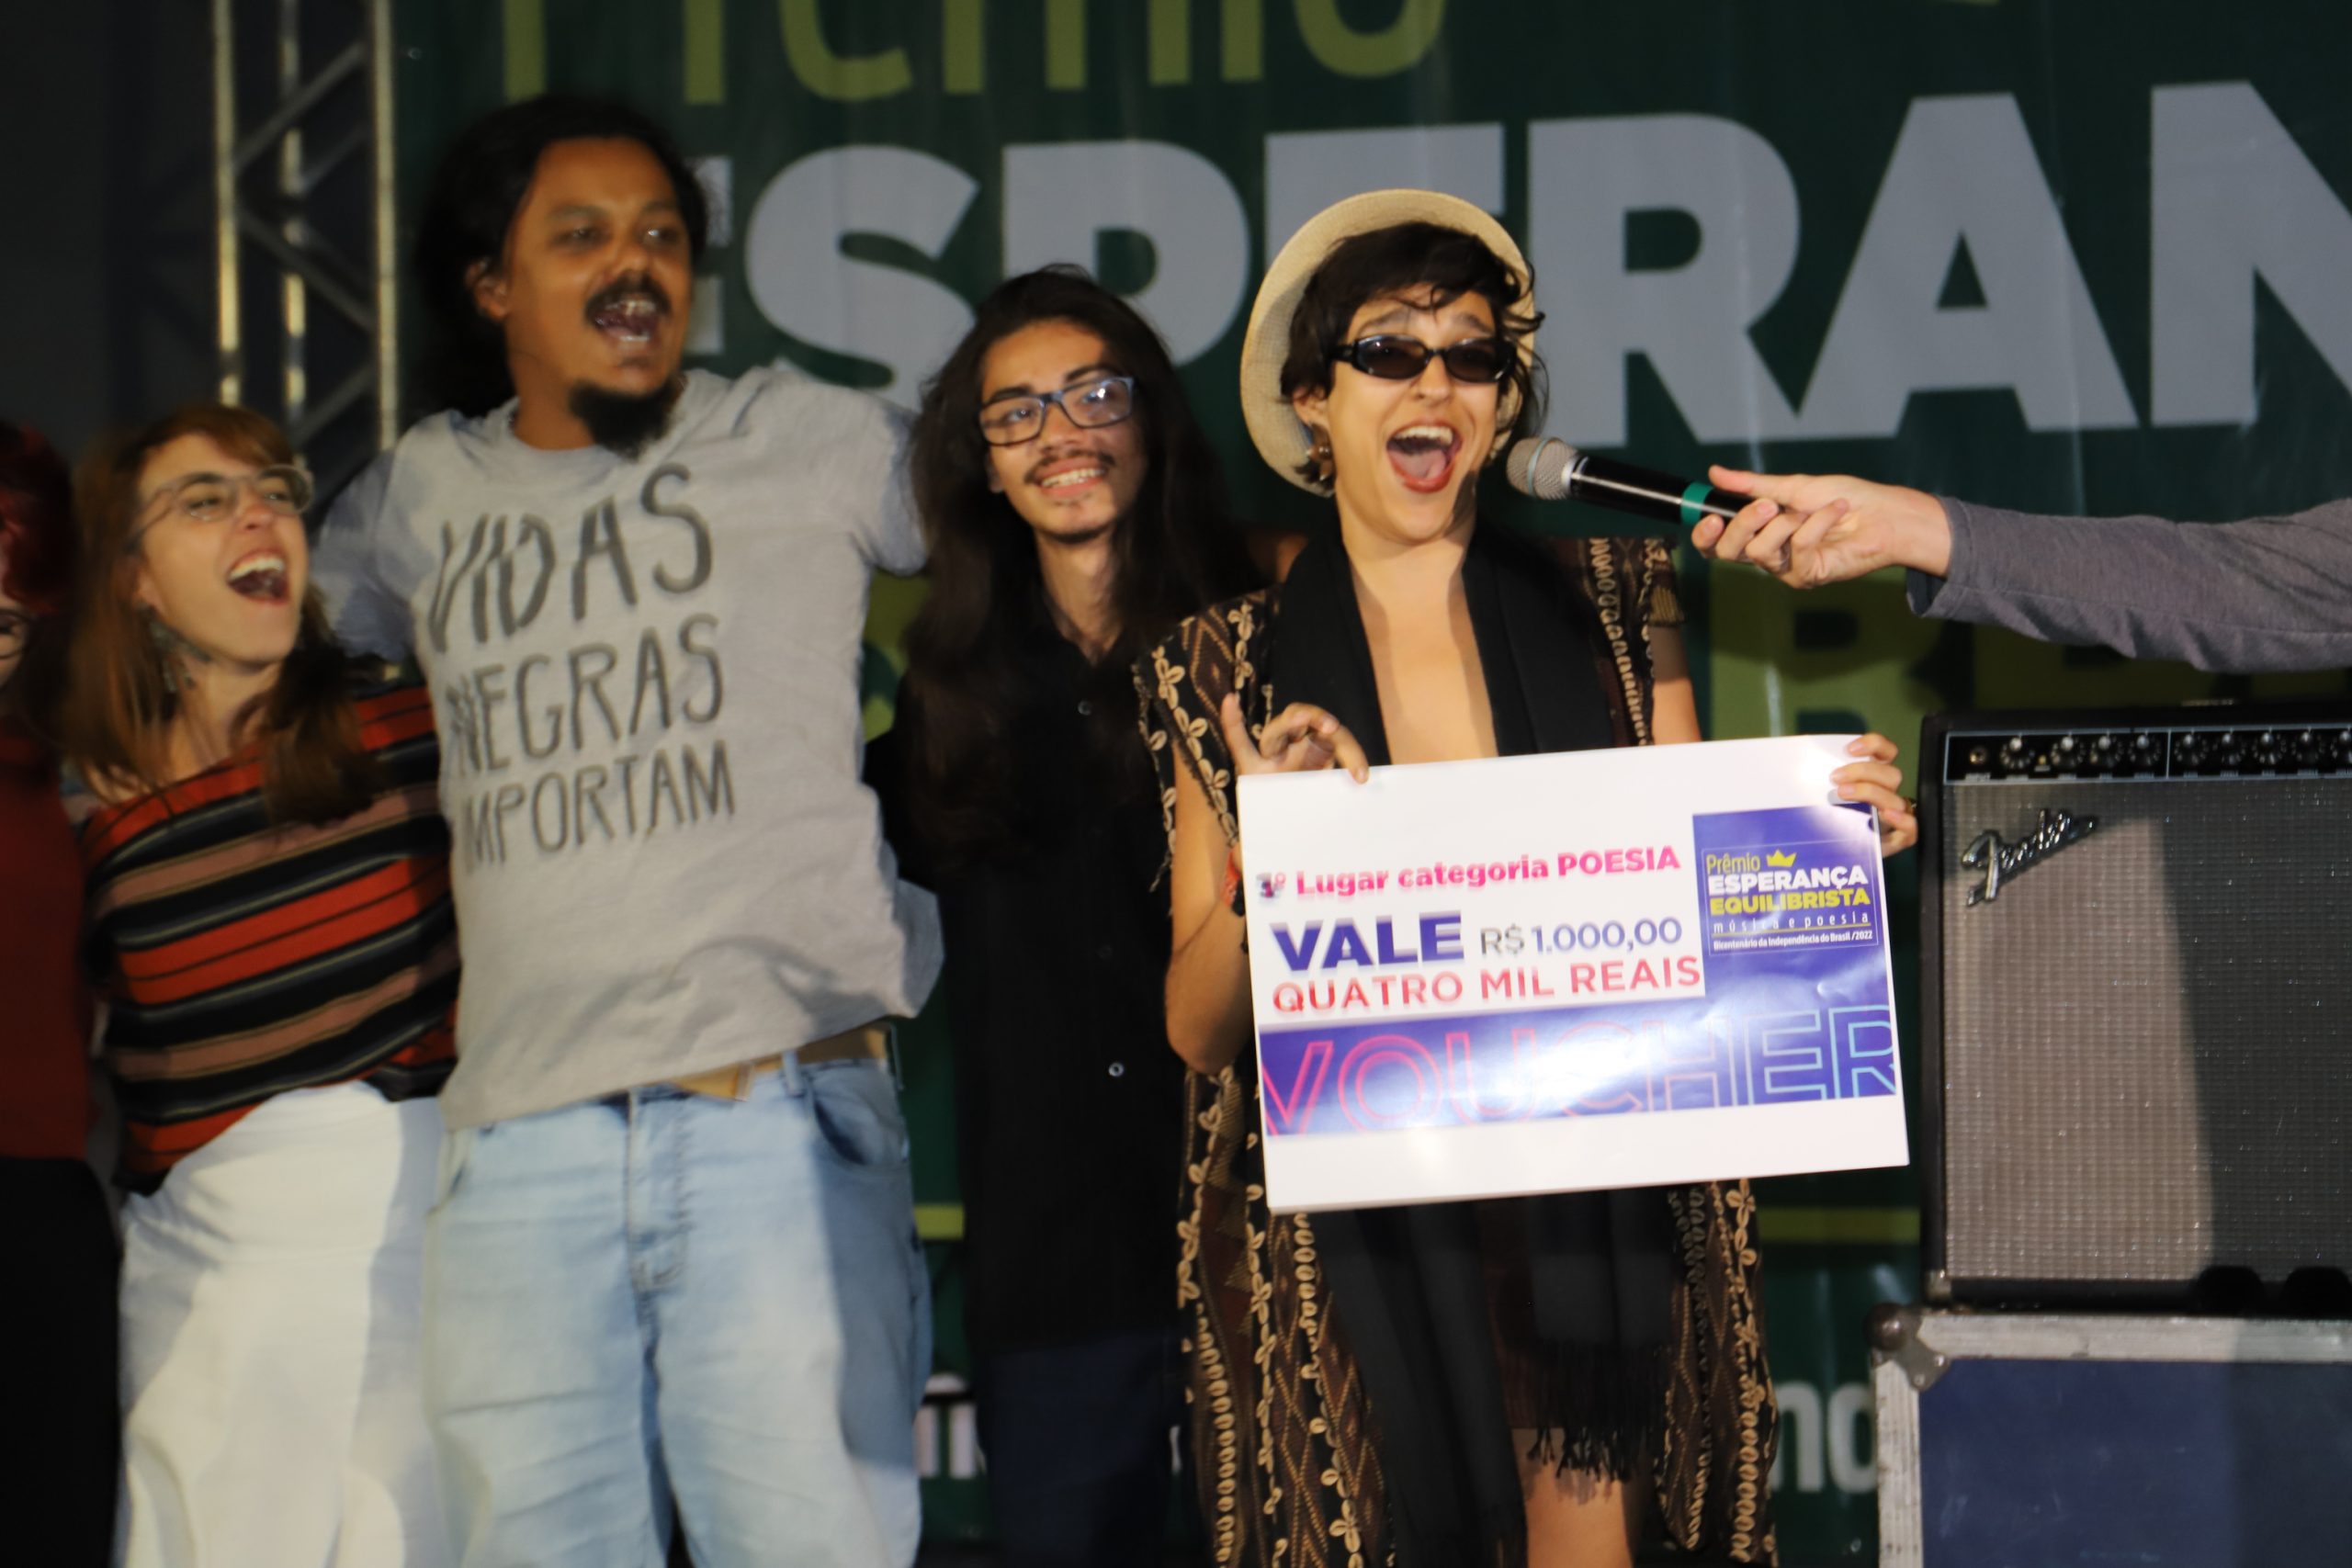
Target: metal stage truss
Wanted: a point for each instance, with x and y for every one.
(306, 247)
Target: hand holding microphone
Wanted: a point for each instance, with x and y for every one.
(1551, 469)
(1808, 529)
(1805, 529)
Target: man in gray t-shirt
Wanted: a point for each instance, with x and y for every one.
(2258, 594)
(673, 1255)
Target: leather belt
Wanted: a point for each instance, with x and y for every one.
(867, 1042)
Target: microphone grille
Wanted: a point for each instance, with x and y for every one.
(1539, 467)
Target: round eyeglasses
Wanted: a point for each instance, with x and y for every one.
(216, 498)
(1392, 357)
(1090, 405)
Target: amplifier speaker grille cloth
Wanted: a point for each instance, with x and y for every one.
(2146, 1068)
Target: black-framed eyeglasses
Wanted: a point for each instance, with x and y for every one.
(15, 628)
(1090, 405)
(1392, 357)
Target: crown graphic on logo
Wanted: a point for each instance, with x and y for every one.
(1780, 857)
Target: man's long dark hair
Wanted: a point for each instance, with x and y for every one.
(1177, 551)
(477, 189)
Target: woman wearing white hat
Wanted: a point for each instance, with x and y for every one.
(1521, 1381)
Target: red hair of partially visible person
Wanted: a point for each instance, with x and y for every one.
(36, 522)
(119, 704)
(36, 556)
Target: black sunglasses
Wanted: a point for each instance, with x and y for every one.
(1392, 357)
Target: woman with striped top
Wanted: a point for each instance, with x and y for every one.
(266, 877)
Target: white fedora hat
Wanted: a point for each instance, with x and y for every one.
(1282, 439)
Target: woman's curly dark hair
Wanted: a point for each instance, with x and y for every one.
(1406, 258)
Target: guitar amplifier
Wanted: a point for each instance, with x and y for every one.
(2136, 1008)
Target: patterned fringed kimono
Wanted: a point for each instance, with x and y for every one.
(1286, 1444)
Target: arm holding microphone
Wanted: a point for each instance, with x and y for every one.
(2264, 593)
(1804, 530)
(1551, 469)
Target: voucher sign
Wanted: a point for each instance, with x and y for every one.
(1550, 974)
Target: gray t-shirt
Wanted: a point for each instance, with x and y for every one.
(2263, 594)
(646, 680)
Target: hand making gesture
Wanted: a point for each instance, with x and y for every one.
(1299, 739)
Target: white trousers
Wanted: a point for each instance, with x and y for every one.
(273, 1406)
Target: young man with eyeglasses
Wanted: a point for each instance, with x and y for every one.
(674, 1254)
(1074, 514)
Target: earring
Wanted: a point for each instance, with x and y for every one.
(171, 648)
(160, 638)
(1324, 467)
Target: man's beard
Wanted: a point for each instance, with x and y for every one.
(624, 422)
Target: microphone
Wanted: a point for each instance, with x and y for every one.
(1550, 469)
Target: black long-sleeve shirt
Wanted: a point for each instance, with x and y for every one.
(1069, 1100)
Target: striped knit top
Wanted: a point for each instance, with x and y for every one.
(240, 958)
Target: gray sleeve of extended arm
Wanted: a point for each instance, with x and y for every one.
(2264, 593)
(368, 615)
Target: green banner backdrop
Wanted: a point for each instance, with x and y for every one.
(2080, 256)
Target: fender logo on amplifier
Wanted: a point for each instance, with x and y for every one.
(2000, 861)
